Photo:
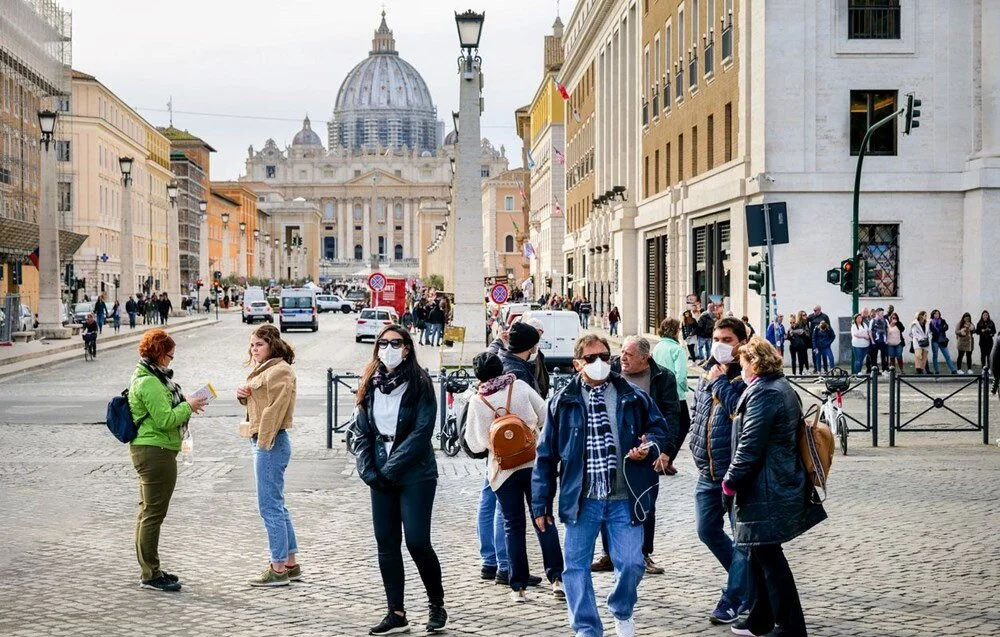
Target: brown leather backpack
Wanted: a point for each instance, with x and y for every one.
(816, 446)
(511, 440)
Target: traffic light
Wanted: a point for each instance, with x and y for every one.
(912, 113)
(758, 274)
(869, 275)
(848, 276)
(68, 277)
(833, 276)
(200, 284)
(217, 275)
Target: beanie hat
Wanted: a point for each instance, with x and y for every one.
(487, 366)
(521, 338)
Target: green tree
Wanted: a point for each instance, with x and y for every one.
(435, 282)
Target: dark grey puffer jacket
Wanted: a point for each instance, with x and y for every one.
(711, 423)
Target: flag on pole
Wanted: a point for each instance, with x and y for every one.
(520, 189)
(560, 157)
(562, 89)
(531, 161)
(576, 115)
(558, 209)
(529, 250)
(33, 257)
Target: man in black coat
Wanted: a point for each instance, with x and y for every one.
(637, 367)
(435, 320)
(517, 353)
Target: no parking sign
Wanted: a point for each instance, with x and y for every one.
(499, 293)
(376, 281)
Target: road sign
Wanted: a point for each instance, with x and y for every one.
(376, 281)
(757, 228)
(499, 293)
(104, 258)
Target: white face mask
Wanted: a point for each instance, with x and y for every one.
(390, 357)
(722, 353)
(598, 370)
(533, 356)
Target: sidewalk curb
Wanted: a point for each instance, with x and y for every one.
(71, 350)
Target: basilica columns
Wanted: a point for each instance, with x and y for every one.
(366, 230)
(407, 230)
(345, 249)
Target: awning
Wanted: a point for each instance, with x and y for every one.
(18, 239)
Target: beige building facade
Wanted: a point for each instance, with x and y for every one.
(502, 202)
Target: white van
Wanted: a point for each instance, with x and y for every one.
(561, 330)
(251, 294)
(298, 309)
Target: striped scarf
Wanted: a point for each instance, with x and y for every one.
(602, 456)
(165, 375)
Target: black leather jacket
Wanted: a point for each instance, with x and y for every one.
(663, 392)
(411, 458)
(775, 501)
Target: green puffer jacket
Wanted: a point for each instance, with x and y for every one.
(158, 423)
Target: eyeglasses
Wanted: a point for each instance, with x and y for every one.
(590, 358)
(396, 343)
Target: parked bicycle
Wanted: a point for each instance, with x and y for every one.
(837, 382)
(456, 384)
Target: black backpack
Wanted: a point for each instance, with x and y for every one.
(119, 419)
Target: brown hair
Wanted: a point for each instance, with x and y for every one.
(588, 339)
(155, 344)
(280, 348)
(734, 325)
(762, 356)
(669, 327)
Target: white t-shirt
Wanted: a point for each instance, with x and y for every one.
(860, 336)
(385, 411)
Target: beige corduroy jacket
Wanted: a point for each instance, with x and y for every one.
(271, 403)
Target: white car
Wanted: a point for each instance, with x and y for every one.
(372, 320)
(257, 310)
(561, 329)
(333, 303)
(251, 295)
(298, 309)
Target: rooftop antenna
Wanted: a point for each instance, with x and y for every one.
(170, 109)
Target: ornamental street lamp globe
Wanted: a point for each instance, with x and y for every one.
(243, 227)
(203, 206)
(225, 218)
(172, 190)
(470, 27)
(125, 163)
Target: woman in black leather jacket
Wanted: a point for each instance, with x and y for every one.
(775, 501)
(394, 426)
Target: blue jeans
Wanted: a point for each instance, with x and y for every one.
(614, 329)
(704, 348)
(824, 358)
(489, 525)
(101, 320)
(935, 348)
(860, 353)
(269, 472)
(625, 545)
(512, 495)
(585, 320)
(710, 520)
(131, 320)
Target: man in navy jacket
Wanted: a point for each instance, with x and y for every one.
(592, 446)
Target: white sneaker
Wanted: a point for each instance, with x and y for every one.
(625, 627)
(518, 597)
(557, 589)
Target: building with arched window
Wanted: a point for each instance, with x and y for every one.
(504, 227)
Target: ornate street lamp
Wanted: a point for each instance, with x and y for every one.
(243, 227)
(256, 234)
(125, 163)
(47, 122)
(203, 206)
(172, 191)
(225, 218)
(454, 119)
(470, 27)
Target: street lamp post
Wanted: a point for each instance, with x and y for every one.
(276, 255)
(173, 246)
(468, 271)
(267, 255)
(226, 270)
(241, 267)
(204, 267)
(49, 293)
(127, 240)
(258, 262)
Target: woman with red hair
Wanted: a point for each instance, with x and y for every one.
(161, 413)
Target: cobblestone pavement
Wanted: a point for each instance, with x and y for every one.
(910, 548)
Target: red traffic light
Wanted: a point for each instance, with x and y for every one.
(848, 266)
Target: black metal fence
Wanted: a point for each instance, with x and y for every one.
(933, 394)
(864, 388)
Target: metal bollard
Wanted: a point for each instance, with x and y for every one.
(443, 404)
(893, 407)
(986, 405)
(873, 405)
(329, 407)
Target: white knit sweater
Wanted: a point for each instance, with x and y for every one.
(524, 402)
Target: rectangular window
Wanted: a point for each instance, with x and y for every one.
(484, 171)
(62, 150)
(880, 243)
(656, 59)
(645, 73)
(508, 203)
(656, 172)
(270, 172)
(710, 143)
(645, 176)
(727, 32)
(873, 19)
(728, 132)
(656, 281)
(868, 107)
(666, 165)
(694, 151)
(710, 259)
(680, 158)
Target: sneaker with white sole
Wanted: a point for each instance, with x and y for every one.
(558, 590)
(725, 612)
(740, 628)
(269, 578)
(625, 627)
(518, 597)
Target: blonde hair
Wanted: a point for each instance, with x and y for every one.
(762, 356)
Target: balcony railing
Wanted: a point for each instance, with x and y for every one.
(666, 95)
(645, 113)
(709, 56)
(873, 23)
(693, 69)
(727, 40)
(679, 83)
(656, 101)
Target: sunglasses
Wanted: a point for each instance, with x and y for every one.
(590, 358)
(396, 343)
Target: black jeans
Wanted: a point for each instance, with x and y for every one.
(968, 357)
(776, 605)
(512, 496)
(648, 528)
(406, 511)
(985, 348)
(800, 359)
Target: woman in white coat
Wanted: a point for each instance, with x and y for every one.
(920, 340)
(500, 394)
